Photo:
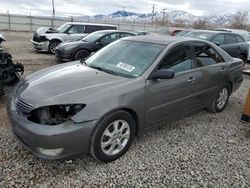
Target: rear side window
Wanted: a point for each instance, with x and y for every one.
(239, 39)
(206, 55)
(219, 39)
(178, 59)
(230, 39)
(92, 28)
(109, 28)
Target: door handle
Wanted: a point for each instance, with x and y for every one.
(191, 79)
(223, 69)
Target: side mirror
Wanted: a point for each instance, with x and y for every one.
(70, 32)
(217, 43)
(163, 74)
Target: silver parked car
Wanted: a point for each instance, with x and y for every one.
(98, 106)
(46, 39)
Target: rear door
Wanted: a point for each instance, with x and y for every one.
(231, 45)
(210, 73)
(168, 99)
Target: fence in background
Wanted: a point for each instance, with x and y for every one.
(32, 23)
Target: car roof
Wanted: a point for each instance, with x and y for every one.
(84, 23)
(213, 32)
(112, 31)
(163, 40)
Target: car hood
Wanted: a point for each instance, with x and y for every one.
(45, 30)
(65, 84)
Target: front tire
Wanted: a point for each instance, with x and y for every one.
(53, 45)
(81, 54)
(220, 101)
(113, 136)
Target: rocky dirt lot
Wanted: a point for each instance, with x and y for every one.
(202, 150)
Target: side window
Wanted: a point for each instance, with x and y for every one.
(110, 38)
(230, 39)
(77, 29)
(109, 28)
(206, 55)
(218, 38)
(93, 28)
(126, 35)
(178, 59)
(239, 39)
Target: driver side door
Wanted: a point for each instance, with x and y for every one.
(107, 39)
(168, 99)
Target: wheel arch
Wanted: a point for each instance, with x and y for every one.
(126, 109)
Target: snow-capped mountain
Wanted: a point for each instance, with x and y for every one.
(173, 16)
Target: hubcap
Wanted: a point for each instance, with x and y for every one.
(115, 137)
(53, 47)
(222, 98)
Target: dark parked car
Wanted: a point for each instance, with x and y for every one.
(234, 44)
(98, 106)
(91, 43)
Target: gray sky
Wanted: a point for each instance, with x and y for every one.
(92, 7)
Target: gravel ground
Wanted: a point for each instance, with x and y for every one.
(202, 150)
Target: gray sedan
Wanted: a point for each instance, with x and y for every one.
(100, 105)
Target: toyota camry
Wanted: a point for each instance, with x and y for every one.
(99, 105)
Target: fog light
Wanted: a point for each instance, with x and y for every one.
(50, 152)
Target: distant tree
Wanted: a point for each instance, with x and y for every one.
(200, 23)
(239, 20)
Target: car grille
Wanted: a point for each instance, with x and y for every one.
(23, 106)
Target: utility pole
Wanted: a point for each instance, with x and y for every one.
(153, 13)
(123, 9)
(53, 7)
(163, 16)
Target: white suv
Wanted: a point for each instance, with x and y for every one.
(46, 39)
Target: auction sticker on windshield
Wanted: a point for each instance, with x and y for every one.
(125, 66)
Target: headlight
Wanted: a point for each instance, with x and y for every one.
(55, 115)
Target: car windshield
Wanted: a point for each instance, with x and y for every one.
(199, 35)
(93, 36)
(63, 28)
(126, 58)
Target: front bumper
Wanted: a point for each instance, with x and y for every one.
(41, 46)
(64, 55)
(75, 139)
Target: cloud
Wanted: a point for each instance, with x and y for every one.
(92, 7)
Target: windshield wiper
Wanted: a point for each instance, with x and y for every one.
(104, 70)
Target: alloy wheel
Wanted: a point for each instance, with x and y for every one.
(115, 137)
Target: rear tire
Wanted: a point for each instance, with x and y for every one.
(113, 136)
(220, 101)
(81, 54)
